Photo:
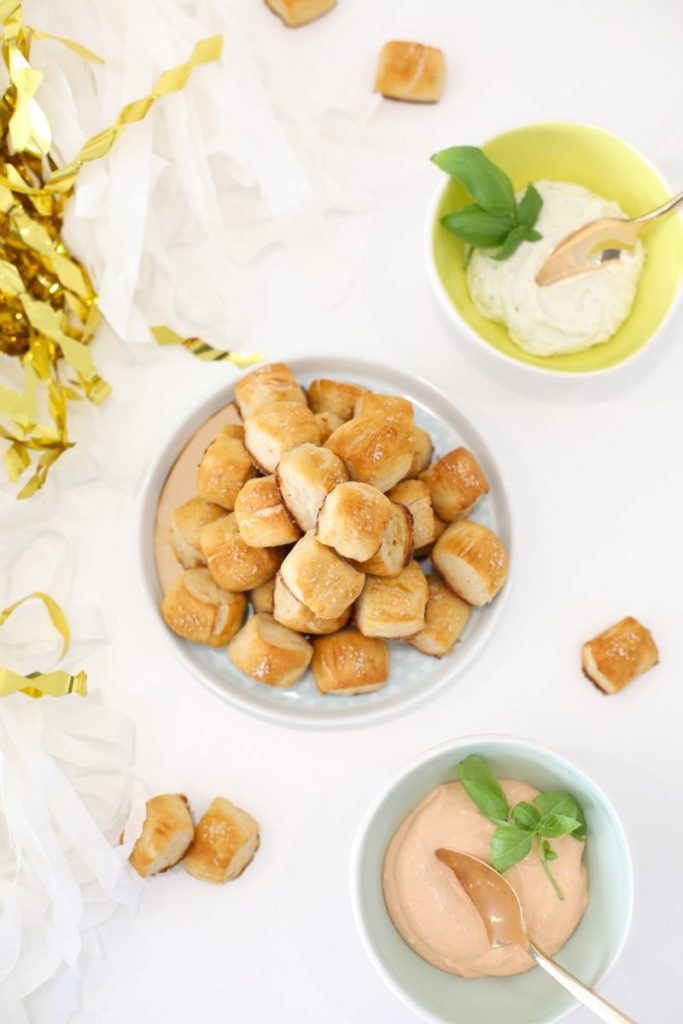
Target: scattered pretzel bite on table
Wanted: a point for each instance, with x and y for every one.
(411, 72)
(615, 657)
(295, 13)
(166, 834)
(225, 841)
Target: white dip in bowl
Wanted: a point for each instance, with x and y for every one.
(570, 315)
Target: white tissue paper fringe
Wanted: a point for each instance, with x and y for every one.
(66, 794)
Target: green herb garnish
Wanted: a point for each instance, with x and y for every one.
(549, 816)
(495, 220)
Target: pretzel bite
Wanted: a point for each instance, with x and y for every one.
(353, 520)
(224, 468)
(335, 396)
(396, 547)
(414, 494)
(305, 475)
(187, 523)
(290, 612)
(197, 609)
(328, 423)
(261, 598)
(393, 607)
(233, 564)
(411, 72)
(390, 408)
(472, 560)
(446, 616)
(270, 433)
(225, 841)
(423, 449)
(269, 652)
(265, 386)
(261, 516)
(456, 483)
(295, 13)
(167, 832)
(373, 450)
(613, 658)
(319, 578)
(350, 663)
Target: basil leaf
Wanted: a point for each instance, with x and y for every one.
(529, 206)
(553, 825)
(511, 243)
(482, 786)
(477, 227)
(546, 853)
(509, 845)
(562, 803)
(490, 187)
(532, 235)
(526, 816)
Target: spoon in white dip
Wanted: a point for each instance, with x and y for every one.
(594, 245)
(501, 912)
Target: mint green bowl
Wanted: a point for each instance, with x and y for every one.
(531, 998)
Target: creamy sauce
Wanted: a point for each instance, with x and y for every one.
(434, 914)
(570, 315)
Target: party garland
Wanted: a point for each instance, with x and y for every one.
(48, 305)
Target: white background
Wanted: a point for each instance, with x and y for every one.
(594, 475)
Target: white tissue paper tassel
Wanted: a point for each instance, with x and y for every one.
(66, 794)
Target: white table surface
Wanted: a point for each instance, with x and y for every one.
(593, 471)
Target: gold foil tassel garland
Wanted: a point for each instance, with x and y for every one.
(202, 350)
(48, 304)
(41, 684)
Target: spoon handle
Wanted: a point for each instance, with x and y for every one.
(600, 1007)
(661, 211)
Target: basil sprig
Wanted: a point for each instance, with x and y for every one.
(495, 220)
(549, 815)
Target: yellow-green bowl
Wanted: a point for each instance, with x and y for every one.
(603, 163)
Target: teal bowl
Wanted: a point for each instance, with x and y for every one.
(530, 998)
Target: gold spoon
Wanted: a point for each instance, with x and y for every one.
(501, 912)
(596, 244)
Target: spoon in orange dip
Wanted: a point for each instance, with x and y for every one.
(501, 912)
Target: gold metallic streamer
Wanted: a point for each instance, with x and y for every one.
(202, 350)
(48, 305)
(40, 684)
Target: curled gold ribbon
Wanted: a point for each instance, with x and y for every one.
(41, 684)
(202, 350)
(48, 304)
